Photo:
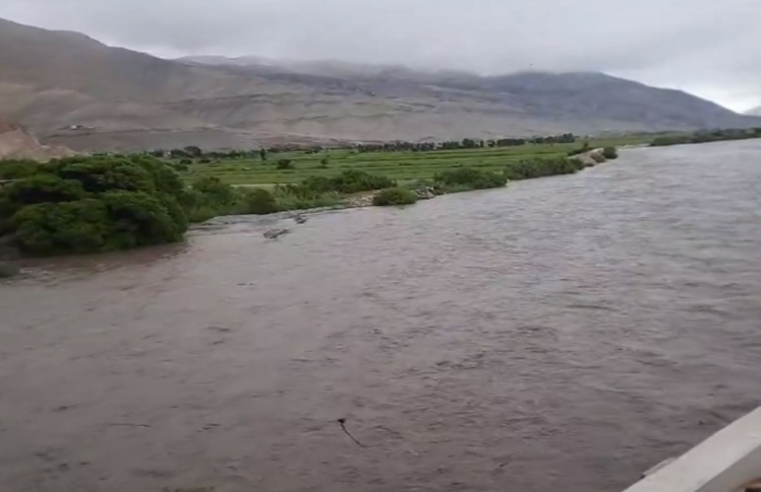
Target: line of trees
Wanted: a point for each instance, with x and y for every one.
(195, 152)
(706, 137)
(467, 143)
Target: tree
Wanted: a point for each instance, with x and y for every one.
(193, 151)
(261, 202)
(263, 153)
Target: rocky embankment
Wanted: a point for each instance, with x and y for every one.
(17, 143)
(591, 158)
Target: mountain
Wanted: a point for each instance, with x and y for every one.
(75, 91)
(754, 112)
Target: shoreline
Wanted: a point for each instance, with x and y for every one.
(365, 200)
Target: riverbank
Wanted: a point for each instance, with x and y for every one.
(105, 203)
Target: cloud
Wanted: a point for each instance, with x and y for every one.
(709, 48)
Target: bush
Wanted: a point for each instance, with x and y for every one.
(298, 198)
(471, 179)
(140, 219)
(82, 226)
(610, 153)
(537, 168)
(18, 169)
(347, 182)
(43, 188)
(215, 191)
(101, 174)
(260, 202)
(90, 204)
(285, 164)
(394, 196)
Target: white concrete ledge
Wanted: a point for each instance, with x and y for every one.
(725, 462)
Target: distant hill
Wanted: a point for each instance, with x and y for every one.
(754, 112)
(78, 92)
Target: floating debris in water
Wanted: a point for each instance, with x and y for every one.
(276, 233)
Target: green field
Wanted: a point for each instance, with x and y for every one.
(401, 166)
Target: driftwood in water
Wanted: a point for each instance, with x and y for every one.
(276, 233)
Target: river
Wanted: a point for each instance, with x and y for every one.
(564, 333)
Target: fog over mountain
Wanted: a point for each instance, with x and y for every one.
(707, 48)
(234, 73)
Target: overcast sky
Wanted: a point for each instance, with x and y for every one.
(709, 48)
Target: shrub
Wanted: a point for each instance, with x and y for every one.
(82, 226)
(101, 174)
(176, 212)
(610, 153)
(140, 219)
(285, 164)
(44, 188)
(215, 190)
(17, 169)
(394, 196)
(350, 181)
(260, 202)
(470, 178)
(291, 197)
(90, 204)
(537, 168)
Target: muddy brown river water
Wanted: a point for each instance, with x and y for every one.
(561, 334)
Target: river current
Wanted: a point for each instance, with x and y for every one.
(564, 333)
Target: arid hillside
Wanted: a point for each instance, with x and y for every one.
(17, 143)
(75, 91)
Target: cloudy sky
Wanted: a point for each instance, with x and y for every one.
(709, 48)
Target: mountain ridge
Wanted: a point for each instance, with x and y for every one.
(73, 90)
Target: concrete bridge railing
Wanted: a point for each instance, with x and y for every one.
(728, 461)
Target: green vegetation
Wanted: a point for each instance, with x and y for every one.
(705, 137)
(394, 196)
(398, 164)
(261, 202)
(464, 179)
(102, 203)
(538, 168)
(610, 153)
(82, 205)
